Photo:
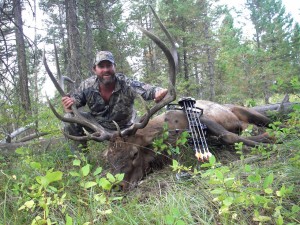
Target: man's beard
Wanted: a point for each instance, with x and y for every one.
(108, 80)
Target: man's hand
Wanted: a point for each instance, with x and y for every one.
(67, 103)
(160, 94)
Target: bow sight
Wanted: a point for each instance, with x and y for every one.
(197, 130)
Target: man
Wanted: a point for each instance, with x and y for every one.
(109, 96)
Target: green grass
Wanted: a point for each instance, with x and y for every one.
(257, 186)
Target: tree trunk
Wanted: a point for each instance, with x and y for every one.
(210, 65)
(21, 58)
(61, 35)
(185, 59)
(209, 53)
(75, 70)
(198, 82)
(88, 38)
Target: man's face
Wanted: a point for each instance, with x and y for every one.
(105, 71)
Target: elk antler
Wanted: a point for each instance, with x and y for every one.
(172, 57)
(100, 133)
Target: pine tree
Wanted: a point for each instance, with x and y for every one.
(272, 28)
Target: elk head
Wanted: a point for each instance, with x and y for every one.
(127, 152)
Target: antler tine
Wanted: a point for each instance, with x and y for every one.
(100, 133)
(172, 57)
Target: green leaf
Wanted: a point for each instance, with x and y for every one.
(175, 212)
(205, 165)
(21, 151)
(89, 184)
(119, 177)
(224, 209)
(116, 198)
(283, 191)
(85, 170)
(268, 191)
(295, 209)
(229, 181)
(105, 184)
(228, 201)
(110, 177)
(35, 165)
(97, 171)
(279, 220)
(74, 174)
(218, 191)
(53, 189)
(260, 218)
(212, 160)
(51, 177)
(39, 221)
(255, 178)
(54, 176)
(174, 164)
(69, 220)
(169, 219)
(268, 180)
(101, 198)
(104, 212)
(247, 168)
(76, 162)
(29, 204)
(219, 175)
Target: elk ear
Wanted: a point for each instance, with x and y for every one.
(134, 153)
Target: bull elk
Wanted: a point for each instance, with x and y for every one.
(129, 150)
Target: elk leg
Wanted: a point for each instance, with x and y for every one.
(264, 138)
(250, 116)
(224, 135)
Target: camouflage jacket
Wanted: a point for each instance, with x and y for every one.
(120, 106)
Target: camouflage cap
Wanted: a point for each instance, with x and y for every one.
(102, 56)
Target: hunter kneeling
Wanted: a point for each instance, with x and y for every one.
(109, 96)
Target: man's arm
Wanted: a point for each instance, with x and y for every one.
(147, 91)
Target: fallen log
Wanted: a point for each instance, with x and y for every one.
(282, 108)
(38, 145)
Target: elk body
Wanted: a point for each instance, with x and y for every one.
(134, 156)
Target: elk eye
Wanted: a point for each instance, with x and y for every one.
(134, 153)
